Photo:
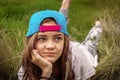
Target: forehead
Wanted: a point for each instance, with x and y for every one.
(50, 33)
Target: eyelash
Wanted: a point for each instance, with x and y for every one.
(58, 38)
(44, 39)
(41, 39)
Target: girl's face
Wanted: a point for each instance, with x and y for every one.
(50, 44)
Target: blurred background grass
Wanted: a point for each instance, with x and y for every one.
(14, 18)
(109, 47)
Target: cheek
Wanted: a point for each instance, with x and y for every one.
(38, 47)
(61, 46)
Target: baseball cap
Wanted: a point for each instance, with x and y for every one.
(38, 17)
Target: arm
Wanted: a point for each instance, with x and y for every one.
(91, 41)
(45, 66)
(95, 32)
(80, 63)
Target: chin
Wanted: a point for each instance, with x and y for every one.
(52, 60)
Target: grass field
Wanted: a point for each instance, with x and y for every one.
(14, 18)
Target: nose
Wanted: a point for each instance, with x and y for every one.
(50, 45)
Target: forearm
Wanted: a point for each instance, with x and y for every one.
(43, 64)
(91, 41)
(46, 74)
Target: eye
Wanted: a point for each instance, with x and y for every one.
(57, 38)
(41, 39)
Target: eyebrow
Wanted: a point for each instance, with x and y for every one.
(58, 35)
(43, 35)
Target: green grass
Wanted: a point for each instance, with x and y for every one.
(109, 52)
(14, 18)
(11, 46)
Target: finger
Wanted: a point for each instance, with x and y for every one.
(35, 53)
(38, 60)
(36, 56)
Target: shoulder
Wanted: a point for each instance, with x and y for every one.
(81, 65)
(77, 50)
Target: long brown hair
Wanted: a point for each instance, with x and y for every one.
(61, 70)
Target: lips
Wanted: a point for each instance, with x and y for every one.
(49, 53)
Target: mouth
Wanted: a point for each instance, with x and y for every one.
(49, 54)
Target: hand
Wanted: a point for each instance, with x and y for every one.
(45, 65)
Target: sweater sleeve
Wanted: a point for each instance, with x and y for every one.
(91, 41)
(20, 73)
(81, 66)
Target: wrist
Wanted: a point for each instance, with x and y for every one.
(47, 71)
(46, 74)
(44, 78)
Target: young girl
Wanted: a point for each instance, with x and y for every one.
(47, 54)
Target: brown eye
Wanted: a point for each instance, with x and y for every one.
(41, 39)
(58, 38)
